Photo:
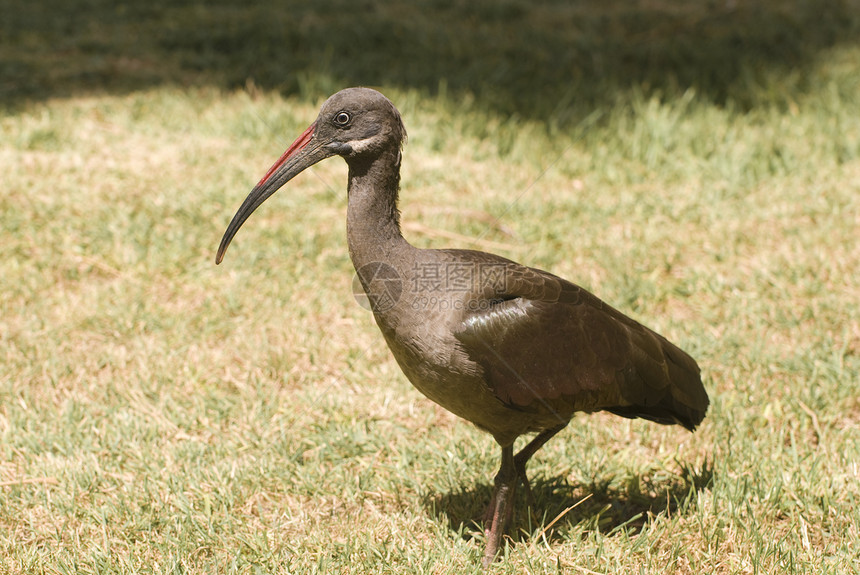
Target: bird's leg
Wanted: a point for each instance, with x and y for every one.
(511, 472)
(501, 504)
(521, 458)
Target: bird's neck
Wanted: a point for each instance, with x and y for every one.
(372, 219)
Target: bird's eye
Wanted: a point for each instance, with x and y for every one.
(341, 119)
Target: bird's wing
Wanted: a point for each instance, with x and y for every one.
(547, 344)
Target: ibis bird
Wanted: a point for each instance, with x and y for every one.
(512, 349)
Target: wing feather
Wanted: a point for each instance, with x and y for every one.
(547, 345)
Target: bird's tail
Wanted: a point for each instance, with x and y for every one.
(683, 400)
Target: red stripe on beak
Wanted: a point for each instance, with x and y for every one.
(294, 148)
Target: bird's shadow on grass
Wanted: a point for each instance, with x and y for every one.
(607, 504)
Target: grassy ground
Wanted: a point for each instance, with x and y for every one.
(162, 415)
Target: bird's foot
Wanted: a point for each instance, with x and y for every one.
(501, 505)
(499, 516)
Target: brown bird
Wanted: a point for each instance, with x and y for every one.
(512, 349)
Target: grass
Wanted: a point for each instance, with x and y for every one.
(159, 414)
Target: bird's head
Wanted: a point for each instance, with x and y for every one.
(358, 124)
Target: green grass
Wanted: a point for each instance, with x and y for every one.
(159, 414)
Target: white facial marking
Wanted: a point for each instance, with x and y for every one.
(360, 146)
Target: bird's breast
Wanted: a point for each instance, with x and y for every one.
(436, 364)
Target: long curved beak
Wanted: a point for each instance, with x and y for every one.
(302, 154)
